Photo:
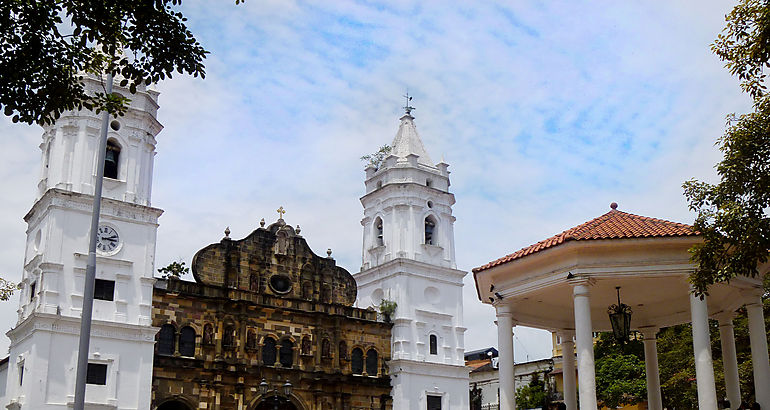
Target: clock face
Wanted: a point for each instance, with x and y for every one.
(107, 239)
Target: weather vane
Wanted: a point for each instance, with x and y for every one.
(407, 107)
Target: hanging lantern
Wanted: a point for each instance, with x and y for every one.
(264, 387)
(620, 319)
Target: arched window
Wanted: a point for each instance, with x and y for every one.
(433, 344)
(357, 361)
(111, 158)
(287, 353)
(166, 338)
(371, 362)
(378, 240)
(268, 352)
(187, 341)
(430, 231)
(343, 350)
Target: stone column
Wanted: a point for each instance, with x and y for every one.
(654, 398)
(505, 357)
(568, 367)
(585, 346)
(729, 359)
(704, 368)
(759, 355)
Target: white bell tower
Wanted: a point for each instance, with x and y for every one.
(44, 342)
(409, 258)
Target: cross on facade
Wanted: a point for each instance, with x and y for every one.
(280, 211)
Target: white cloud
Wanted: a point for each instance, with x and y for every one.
(546, 113)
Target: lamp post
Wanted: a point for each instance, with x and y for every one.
(286, 389)
(620, 319)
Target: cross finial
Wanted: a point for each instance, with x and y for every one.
(280, 211)
(407, 107)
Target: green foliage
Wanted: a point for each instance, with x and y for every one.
(376, 159)
(733, 214)
(745, 44)
(620, 375)
(174, 269)
(388, 307)
(6, 289)
(534, 395)
(46, 47)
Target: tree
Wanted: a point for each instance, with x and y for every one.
(534, 395)
(46, 46)
(620, 375)
(174, 270)
(733, 214)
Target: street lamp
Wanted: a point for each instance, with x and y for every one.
(287, 388)
(620, 319)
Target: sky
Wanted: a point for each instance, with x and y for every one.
(546, 112)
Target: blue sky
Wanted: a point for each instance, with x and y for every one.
(546, 114)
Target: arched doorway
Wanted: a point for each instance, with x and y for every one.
(174, 405)
(275, 403)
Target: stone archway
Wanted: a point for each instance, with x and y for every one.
(275, 403)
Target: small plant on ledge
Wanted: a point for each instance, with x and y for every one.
(174, 270)
(387, 308)
(378, 157)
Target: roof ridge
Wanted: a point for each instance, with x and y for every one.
(611, 225)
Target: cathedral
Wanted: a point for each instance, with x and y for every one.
(266, 324)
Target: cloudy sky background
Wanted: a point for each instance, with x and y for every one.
(546, 113)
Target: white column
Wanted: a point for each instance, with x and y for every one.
(585, 346)
(505, 358)
(729, 359)
(759, 355)
(568, 367)
(654, 398)
(704, 368)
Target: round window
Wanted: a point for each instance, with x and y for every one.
(280, 283)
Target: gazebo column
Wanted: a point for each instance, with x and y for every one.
(729, 359)
(585, 346)
(654, 398)
(568, 370)
(505, 357)
(704, 368)
(759, 355)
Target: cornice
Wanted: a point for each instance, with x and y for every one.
(61, 199)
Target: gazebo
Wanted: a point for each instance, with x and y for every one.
(567, 282)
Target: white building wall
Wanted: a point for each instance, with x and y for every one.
(421, 278)
(44, 342)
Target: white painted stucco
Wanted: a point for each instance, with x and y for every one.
(421, 278)
(45, 339)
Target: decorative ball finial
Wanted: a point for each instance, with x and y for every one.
(297, 230)
(227, 233)
(329, 252)
(614, 205)
(262, 223)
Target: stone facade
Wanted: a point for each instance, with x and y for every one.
(267, 308)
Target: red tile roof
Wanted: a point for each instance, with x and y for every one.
(612, 225)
